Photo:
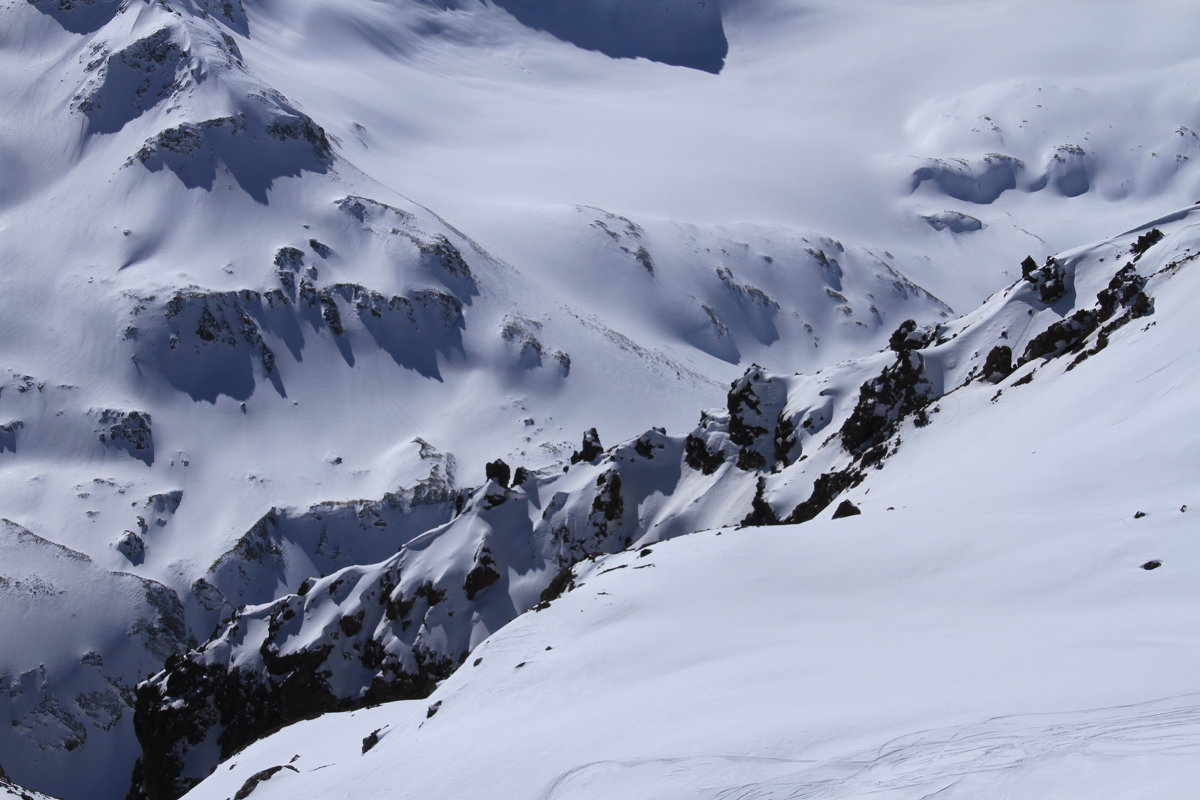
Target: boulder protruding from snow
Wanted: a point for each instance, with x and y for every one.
(846, 509)
(758, 422)
(132, 547)
(999, 364)
(591, 448)
(1050, 279)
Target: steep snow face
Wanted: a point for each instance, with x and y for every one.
(1006, 616)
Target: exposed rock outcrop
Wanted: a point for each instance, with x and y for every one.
(127, 431)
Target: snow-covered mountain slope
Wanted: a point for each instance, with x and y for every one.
(783, 450)
(236, 358)
(827, 114)
(1006, 616)
(78, 638)
(213, 319)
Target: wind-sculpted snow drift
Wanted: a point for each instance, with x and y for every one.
(1035, 136)
(782, 451)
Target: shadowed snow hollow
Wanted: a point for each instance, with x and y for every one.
(685, 33)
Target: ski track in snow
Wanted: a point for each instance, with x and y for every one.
(917, 766)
